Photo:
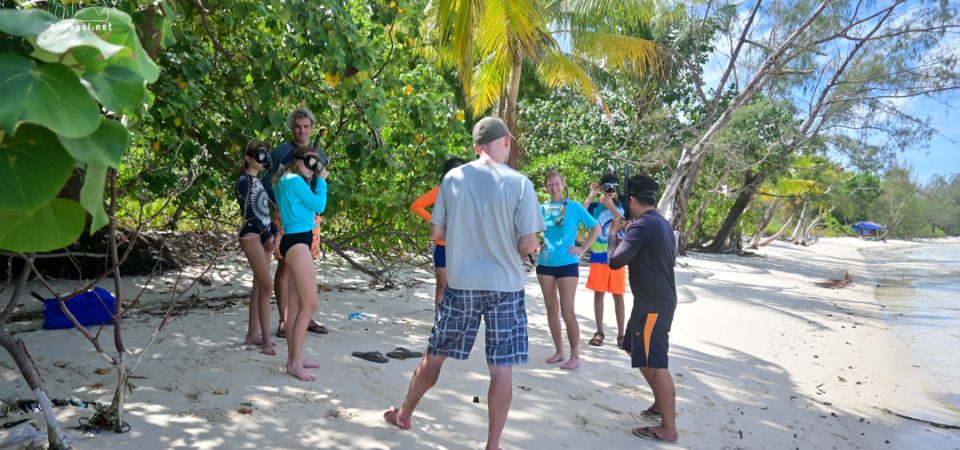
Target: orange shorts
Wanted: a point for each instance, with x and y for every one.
(603, 279)
(314, 248)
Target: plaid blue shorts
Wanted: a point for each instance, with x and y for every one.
(505, 317)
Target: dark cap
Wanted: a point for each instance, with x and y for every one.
(488, 130)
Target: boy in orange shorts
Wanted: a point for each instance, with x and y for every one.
(602, 278)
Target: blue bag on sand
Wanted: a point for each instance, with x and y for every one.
(87, 307)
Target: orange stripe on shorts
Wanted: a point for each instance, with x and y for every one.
(647, 333)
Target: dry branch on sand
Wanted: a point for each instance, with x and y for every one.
(837, 283)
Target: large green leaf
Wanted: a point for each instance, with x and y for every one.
(68, 34)
(50, 95)
(117, 88)
(49, 227)
(91, 195)
(120, 31)
(33, 168)
(25, 22)
(104, 146)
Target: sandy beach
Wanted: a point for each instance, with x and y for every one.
(761, 356)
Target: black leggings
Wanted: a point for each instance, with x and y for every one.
(289, 240)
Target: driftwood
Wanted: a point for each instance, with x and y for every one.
(917, 419)
(835, 283)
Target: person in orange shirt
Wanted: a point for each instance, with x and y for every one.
(419, 207)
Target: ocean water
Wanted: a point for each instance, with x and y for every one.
(920, 287)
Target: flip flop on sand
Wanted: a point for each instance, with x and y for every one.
(402, 353)
(317, 328)
(597, 339)
(371, 356)
(648, 433)
(650, 413)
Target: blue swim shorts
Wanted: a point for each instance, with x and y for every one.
(505, 319)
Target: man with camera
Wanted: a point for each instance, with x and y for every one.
(648, 246)
(301, 122)
(603, 278)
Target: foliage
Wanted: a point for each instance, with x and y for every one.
(86, 64)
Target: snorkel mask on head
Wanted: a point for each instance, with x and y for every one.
(313, 161)
(262, 157)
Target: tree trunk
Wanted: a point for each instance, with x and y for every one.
(795, 237)
(765, 219)
(685, 236)
(510, 115)
(752, 183)
(769, 240)
(21, 357)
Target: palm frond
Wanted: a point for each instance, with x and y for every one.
(555, 70)
(636, 56)
(489, 82)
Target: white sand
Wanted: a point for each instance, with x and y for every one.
(762, 358)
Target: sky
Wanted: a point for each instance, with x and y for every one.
(943, 155)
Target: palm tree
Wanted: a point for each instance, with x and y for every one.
(488, 41)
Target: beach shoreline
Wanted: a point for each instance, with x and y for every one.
(762, 358)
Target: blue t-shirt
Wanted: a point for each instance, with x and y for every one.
(558, 239)
(298, 205)
(598, 251)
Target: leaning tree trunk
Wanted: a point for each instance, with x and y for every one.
(510, 115)
(765, 219)
(769, 240)
(21, 357)
(685, 236)
(753, 182)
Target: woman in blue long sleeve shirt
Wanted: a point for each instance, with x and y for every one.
(298, 205)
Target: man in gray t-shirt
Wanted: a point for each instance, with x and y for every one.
(489, 216)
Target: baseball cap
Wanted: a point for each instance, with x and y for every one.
(488, 130)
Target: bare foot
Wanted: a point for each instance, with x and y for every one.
(392, 415)
(300, 373)
(252, 339)
(268, 349)
(310, 364)
(557, 357)
(571, 364)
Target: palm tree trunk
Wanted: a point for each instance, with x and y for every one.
(510, 115)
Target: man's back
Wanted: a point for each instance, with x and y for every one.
(485, 209)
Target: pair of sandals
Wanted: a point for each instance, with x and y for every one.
(399, 353)
(597, 340)
(313, 328)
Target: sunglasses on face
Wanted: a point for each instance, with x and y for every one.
(611, 187)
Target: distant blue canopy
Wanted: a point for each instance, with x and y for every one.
(867, 227)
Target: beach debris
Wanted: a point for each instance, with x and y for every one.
(837, 283)
(476, 399)
(917, 419)
(102, 371)
(220, 391)
(60, 364)
(357, 316)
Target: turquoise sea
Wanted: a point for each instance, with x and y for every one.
(919, 285)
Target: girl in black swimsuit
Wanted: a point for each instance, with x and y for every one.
(257, 241)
